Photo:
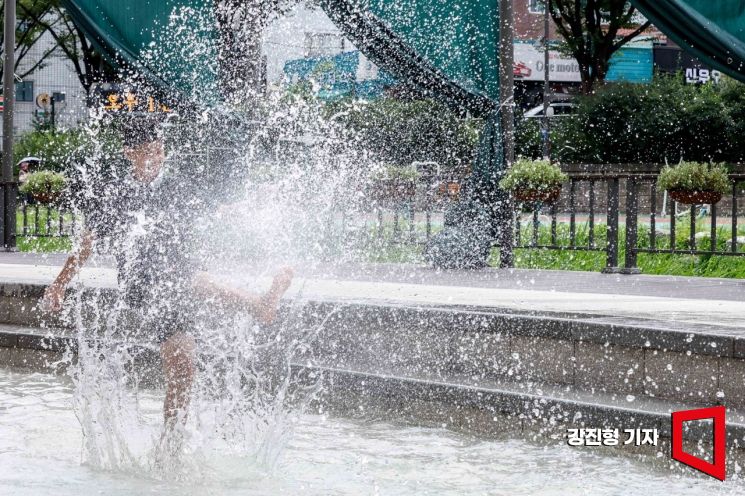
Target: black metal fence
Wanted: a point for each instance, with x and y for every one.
(620, 196)
(34, 219)
(614, 210)
(410, 212)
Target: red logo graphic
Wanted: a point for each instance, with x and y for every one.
(717, 413)
(520, 70)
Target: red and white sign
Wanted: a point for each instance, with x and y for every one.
(529, 62)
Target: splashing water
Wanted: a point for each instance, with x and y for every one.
(243, 399)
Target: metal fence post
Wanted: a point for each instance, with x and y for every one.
(632, 229)
(611, 248)
(9, 187)
(505, 234)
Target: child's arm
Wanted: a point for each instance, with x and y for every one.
(263, 307)
(55, 292)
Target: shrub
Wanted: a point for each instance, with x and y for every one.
(400, 131)
(44, 182)
(528, 140)
(56, 149)
(395, 172)
(695, 176)
(539, 175)
(664, 121)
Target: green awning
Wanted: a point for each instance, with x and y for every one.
(448, 50)
(713, 30)
(168, 42)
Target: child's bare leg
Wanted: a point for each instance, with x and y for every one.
(266, 311)
(178, 366)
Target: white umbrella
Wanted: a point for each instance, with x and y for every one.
(29, 159)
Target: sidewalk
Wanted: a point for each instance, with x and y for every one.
(684, 300)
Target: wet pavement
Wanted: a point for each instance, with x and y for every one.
(689, 300)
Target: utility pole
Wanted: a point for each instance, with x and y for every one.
(505, 225)
(8, 214)
(507, 78)
(546, 81)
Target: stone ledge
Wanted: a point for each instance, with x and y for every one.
(20, 308)
(597, 354)
(539, 403)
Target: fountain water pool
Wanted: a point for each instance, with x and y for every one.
(40, 450)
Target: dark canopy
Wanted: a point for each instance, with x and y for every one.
(713, 30)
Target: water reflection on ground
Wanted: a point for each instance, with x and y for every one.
(40, 450)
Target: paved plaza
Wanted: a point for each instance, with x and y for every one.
(687, 300)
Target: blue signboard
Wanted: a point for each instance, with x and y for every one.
(632, 63)
(338, 76)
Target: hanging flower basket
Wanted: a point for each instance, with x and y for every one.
(44, 186)
(689, 197)
(394, 189)
(449, 190)
(546, 196)
(394, 184)
(46, 198)
(694, 183)
(534, 181)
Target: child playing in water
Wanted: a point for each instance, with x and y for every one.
(147, 218)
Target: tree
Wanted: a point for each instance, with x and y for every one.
(664, 121)
(590, 32)
(241, 24)
(89, 65)
(28, 33)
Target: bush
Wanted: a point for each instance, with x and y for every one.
(538, 175)
(56, 149)
(44, 182)
(528, 139)
(664, 121)
(695, 176)
(400, 131)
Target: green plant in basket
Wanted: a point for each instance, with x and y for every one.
(534, 180)
(45, 186)
(695, 182)
(397, 173)
(396, 183)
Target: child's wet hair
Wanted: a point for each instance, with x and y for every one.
(139, 129)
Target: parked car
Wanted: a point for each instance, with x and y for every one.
(555, 109)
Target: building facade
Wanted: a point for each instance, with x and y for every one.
(304, 39)
(55, 75)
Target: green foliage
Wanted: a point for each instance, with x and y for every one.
(302, 90)
(44, 182)
(665, 121)
(528, 140)
(733, 98)
(46, 244)
(590, 32)
(695, 176)
(404, 131)
(61, 149)
(407, 173)
(55, 149)
(658, 263)
(537, 175)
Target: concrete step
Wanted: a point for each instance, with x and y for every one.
(477, 404)
(692, 363)
(546, 408)
(700, 365)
